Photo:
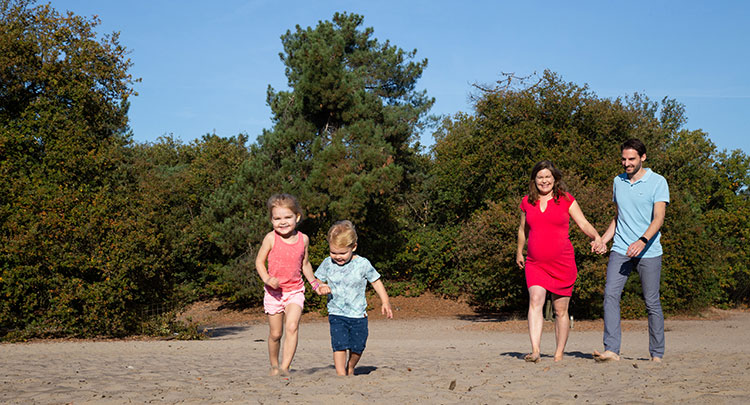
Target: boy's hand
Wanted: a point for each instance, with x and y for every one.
(272, 282)
(385, 309)
(323, 289)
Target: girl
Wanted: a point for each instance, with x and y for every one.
(285, 249)
(550, 265)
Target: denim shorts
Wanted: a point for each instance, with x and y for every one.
(348, 333)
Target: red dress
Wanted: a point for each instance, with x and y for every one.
(550, 260)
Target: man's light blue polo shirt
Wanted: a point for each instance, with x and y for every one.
(635, 210)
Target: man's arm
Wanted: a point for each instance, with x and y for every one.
(660, 211)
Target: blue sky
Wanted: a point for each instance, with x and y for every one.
(205, 66)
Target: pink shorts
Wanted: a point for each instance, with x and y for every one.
(276, 301)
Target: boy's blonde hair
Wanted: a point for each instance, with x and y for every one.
(284, 201)
(342, 234)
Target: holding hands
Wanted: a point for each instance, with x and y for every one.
(320, 288)
(598, 246)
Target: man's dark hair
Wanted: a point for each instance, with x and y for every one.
(634, 144)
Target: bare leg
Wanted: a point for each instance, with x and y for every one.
(276, 324)
(291, 335)
(353, 360)
(537, 295)
(562, 324)
(339, 361)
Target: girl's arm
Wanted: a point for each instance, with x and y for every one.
(521, 241)
(260, 262)
(308, 271)
(575, 212)
(385, 307)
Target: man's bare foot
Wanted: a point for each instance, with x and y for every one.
(532, 358)
(274, 371)
(608, 355)
(656, 359)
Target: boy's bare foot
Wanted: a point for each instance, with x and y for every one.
(532, 358)
(606, 356)
(274, 371)
(656, 359)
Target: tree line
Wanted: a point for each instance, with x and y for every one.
(99, 232)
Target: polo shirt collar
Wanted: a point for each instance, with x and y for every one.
(643, 179)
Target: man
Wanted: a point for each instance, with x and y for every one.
(641, 197)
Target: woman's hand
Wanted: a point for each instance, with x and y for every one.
(520, 260)
(598, 247)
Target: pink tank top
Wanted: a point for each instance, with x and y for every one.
(285, 262)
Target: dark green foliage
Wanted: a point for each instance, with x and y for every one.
(341, 143)
(100, 236)
(63, 116)
(480, 172)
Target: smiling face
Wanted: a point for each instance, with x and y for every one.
(284, 220)
(545, 182)
(342, 255)
(631, 161)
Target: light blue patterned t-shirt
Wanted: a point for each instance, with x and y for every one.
(348, 284)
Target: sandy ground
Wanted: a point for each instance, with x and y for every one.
(465, 359)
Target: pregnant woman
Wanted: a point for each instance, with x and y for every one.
(550, 264)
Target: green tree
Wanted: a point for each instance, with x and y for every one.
(63, 123)
(342, 141)
(480, 171)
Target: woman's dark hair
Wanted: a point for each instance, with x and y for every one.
(634, 144)
(559, 189)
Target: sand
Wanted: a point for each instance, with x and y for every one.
(447, 360)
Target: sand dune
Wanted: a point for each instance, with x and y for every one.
(414, 361)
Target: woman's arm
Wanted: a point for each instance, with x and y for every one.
(522, 231)
(580, 220)
(597, 245)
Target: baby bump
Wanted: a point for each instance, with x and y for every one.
(549, 249)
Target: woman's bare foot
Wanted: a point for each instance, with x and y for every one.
(606, 356)
(558, 357)
(274, 371)
(532, 358)
(284, 372)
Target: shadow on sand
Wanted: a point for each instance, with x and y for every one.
(224, 331)
(578, 355)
